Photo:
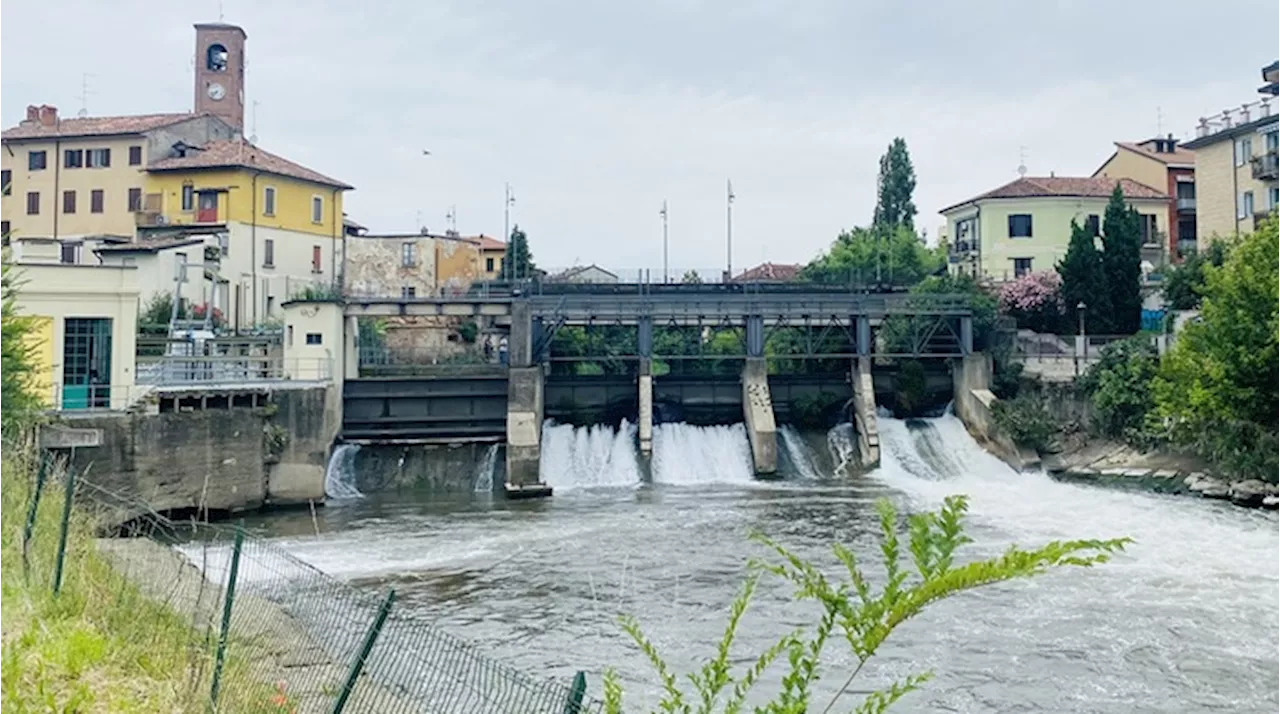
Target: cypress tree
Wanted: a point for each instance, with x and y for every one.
(1085, 281)
(518, 262)
(896, 184)
(1122, 263)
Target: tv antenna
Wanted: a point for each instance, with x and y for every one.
(1022, 161)
(452, 218)
(84, 95)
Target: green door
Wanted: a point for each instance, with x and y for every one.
(86, 363)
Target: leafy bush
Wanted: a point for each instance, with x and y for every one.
(812, 410)
(1119, 386)
(468, 331)
(1184, 285)
(1034, 301)
(910, 387)
(852, 610)
(1026, 420)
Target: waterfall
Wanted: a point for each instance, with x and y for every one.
(340, 476)
(843, 445)
(798, 454)
(576, 457)
(685, 454)
(484, 472)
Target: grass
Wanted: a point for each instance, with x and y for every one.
(101, 645)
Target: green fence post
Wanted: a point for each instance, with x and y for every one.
(576, 694)
(30, 528)
(227, 601)
(370, 637)
(66, 524)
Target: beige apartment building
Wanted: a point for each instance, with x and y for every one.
(1236, 166)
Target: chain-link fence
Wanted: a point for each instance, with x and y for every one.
(306, 641)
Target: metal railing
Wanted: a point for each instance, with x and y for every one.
(1186, 204)
(1230, 118)
(88, 398)
(1265, 166)
(175, 370)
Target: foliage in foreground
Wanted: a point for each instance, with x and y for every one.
(1216, 390)
(20, 401)
(100, 644)
(853, 610)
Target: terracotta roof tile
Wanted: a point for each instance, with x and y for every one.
(241, 154)
(1179, 155)
(769, 271)
(487, 243)
(94, 126)
(1067, 186)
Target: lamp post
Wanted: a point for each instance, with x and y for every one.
(1082, 345)
(728, 273)
(508, 200)
(663, 213)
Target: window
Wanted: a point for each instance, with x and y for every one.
(269, 201)
(68, 201)
(1244, 207)
(406, 255)
(268, 253)
(408, 292)
(33, 203)
(135, 155)
(216, 58)
(1093, 224)
(135, 199)
(1273, 198)
(1147, 229)
(1020, 225)
(1021, 267)
(1244, 150)
(73, 159)
(314, 338)
(97, 158)
(1273, 141)
(96, 200)
(317, 262)
(36, 160)
(188, 197)
(6, 178)
(1186, 189)
(69, 253)
(488, 265)
(317, 209)
(4, 230)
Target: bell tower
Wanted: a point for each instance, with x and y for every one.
(220, 72)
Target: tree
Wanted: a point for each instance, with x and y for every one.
(1184, 284)
(517, 264)
(895, 186)
(1119, 386)
(1216, 390)
(1083, 280)
(1122, 263)
(857, 610)
(691, 277)
(863, 256)
(21, 403)
(1034, 301)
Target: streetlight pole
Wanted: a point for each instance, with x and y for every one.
(728, 274)
(663, 213)
(508, 200)
(1083, 345)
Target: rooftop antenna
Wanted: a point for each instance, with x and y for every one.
(452, 218)
(1022, 161)
(253, 123)
(84, 95)
(1159, 122)
(219, 10)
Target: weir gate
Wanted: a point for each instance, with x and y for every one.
(701, 353)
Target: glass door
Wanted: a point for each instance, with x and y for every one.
(86, 363)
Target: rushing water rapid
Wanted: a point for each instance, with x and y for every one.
(1184, 621)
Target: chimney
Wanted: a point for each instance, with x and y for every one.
(48, 115)
(33, 113)
(1172, 142)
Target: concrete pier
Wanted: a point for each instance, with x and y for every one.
(864, 413)
(644, 418)
(757, 411)
(524, 433)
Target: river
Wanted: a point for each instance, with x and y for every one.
(1184, 621)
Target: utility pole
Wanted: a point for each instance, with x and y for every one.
(728, 275)
(663, 213)
(509, 199)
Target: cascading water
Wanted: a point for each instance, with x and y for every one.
(340, 475)
(685, 454)
(484, 472)
(842, 443)
(797, 453)
(589, 456)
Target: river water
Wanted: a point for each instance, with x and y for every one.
(1184, 621)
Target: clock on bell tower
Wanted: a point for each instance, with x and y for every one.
(220, 72)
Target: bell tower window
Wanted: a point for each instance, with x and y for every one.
(216, 58)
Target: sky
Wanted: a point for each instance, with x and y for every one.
(597, 112)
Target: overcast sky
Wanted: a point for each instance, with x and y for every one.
(597, 111)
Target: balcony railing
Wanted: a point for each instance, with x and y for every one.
(1265, 167)
(1186, 205)
(1230, 118)
(170, 370)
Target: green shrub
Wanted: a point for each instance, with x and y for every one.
(1120, 387)
(1026, 420)
(468, 331)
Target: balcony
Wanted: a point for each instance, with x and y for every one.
(1260, 217)
(1186, 205)
(1265, 167)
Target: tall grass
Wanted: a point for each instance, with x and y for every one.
(100, 645)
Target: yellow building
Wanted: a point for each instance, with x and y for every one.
(86, 337)
(1025, 226)
(1161, 163)
(492, 252)
(68, 179)
(1236, 169)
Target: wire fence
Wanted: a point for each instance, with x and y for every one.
(306, 641)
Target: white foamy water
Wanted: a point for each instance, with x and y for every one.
(484, 471)
(340, 475)
(576, 457)
(684, 454)
(798, 453)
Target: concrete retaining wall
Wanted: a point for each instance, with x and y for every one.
(973, 405)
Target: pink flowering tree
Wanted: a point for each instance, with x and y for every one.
(1035, 301)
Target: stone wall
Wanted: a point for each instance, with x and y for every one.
(224, 459)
